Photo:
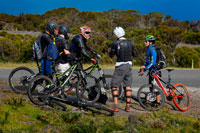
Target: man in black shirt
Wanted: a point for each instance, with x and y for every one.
(80, 46)
(63, 48)
(124, 49)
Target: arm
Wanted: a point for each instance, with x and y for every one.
(133, 48)
(113, 50)
(83, 48)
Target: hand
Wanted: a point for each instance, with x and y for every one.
(142, 67)
(98, 55)
(141, 73)
(94, 61)
(141, 70)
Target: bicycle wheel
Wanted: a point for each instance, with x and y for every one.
(88, 89)
(19, 79)
(97, 108)
(148, 97)
(181, 97)
(39, 90)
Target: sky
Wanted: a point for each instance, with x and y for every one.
(182, 10)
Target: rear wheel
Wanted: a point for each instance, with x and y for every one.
(181, 97)
(19, 79)
(39, 89)
(148, 97)
(88, 89)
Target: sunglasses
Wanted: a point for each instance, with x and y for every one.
(87, 32)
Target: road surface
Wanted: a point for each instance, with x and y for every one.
(191, 78)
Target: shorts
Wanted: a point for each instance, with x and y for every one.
(122, 74)
(61, 68)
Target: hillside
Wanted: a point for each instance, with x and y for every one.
(168, 32)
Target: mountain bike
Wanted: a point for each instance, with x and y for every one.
(152, 96)
(47, 94)
(20, 77)
(71, 79)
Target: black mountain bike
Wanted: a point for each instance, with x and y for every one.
(63, 85)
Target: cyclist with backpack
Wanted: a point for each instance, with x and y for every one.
(124, 49)
(46, 38)
(63, 48)
(151, 59)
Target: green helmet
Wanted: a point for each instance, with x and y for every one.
(150, 38)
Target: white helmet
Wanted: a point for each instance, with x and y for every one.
(119, 32)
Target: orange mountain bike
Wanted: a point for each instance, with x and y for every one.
(152, 96)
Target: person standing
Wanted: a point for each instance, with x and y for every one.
(46, 38)
(124, 49)
(63, 47)
(150, 63)
(80, 46)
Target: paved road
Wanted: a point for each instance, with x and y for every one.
(191, 78)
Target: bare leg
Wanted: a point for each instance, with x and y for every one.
(115, 95)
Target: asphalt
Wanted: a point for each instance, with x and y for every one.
(191, 78)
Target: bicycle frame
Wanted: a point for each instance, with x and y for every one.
(159, 80)
(92, 68)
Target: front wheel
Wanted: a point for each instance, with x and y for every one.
(19, 79)
(181, 97)
(39, 89)
(150, 97)
(88, 89)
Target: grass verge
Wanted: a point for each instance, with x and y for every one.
(19, 115)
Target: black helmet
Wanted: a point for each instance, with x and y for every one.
(51, 26)
(64, 29)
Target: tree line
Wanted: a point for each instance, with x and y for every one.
(168, 32)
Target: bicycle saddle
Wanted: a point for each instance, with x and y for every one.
(169, 70)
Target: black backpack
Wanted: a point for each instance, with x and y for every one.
(161, 61)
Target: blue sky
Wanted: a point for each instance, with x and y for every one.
(178, 9)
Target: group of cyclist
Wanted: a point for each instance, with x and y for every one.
(123, 48)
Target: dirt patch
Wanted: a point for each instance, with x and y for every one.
(136, 109)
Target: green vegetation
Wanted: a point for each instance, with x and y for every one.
(19, 115)
(168, 33)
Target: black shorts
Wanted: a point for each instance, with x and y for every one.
(122, 74)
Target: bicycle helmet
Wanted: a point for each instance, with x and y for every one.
(119, 32)
(85, 30)
(150, 38)
(64, 29)
(51, 27)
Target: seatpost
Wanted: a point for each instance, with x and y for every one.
(169, 77)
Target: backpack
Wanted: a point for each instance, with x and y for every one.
(37, 49)
(161, 61)
(52, 51)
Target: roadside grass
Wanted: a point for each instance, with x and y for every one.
(19, 115)
(9, 65)
(33, 65)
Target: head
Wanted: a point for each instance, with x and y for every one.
(149, 39)
(64, 30)
(52, 28)
(85, 31)
(119, 32)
